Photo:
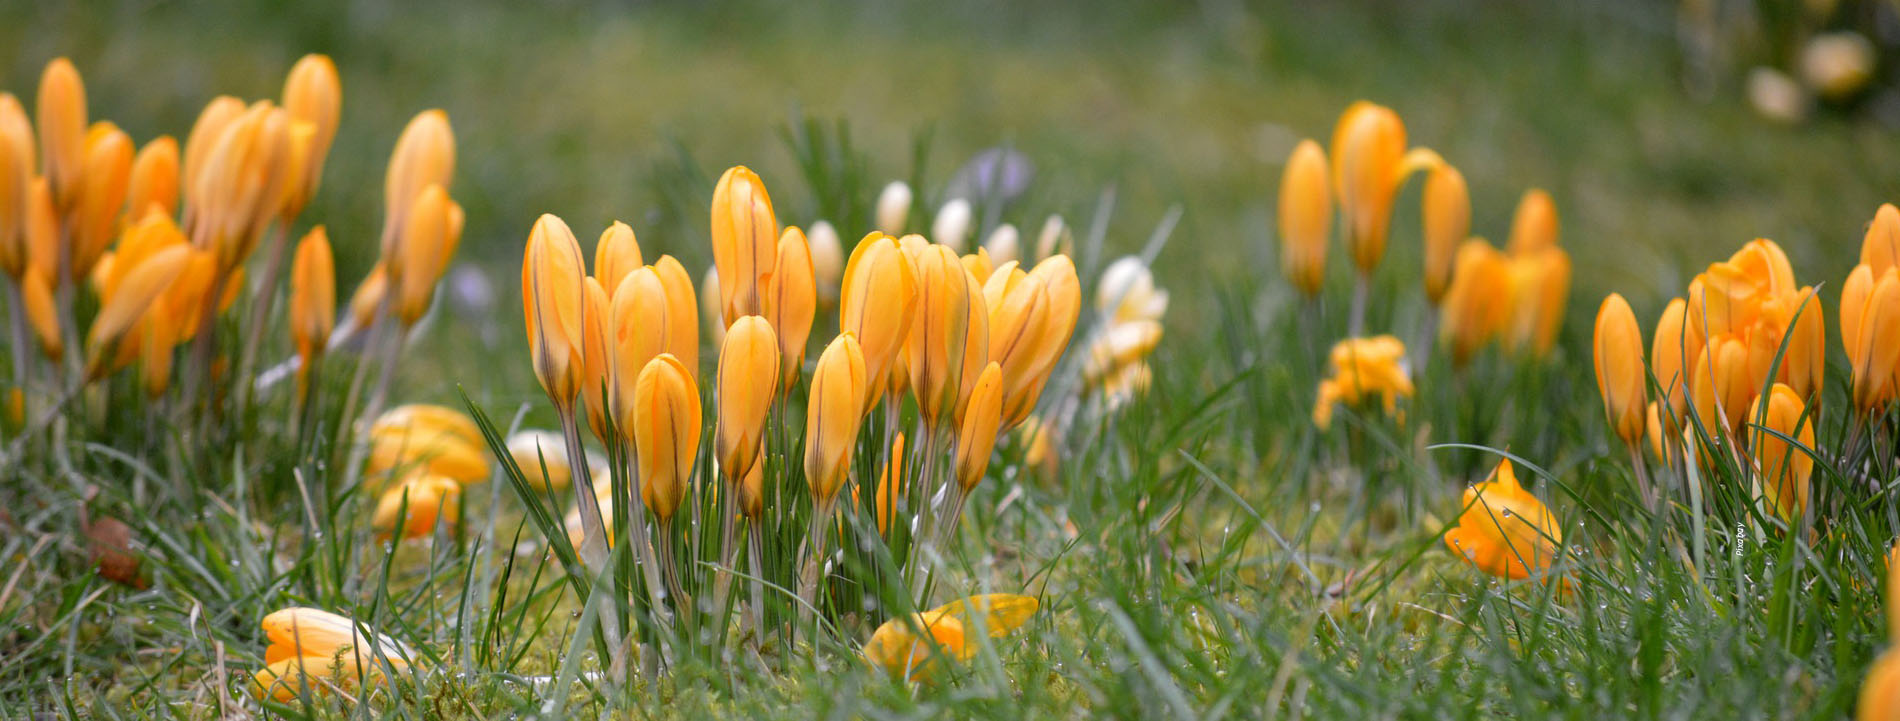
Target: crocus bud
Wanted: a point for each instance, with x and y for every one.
(952, 225)
(1053, 239)
(641, 323)
(1721, 385)
(944, 334)
(890, 485)
(427, 421)
(42, 230)
(16, 176)
(1619, 363)
(1838, 64)
(597, 357)
(1540, 286)
(424, 156)
(154, 182)
(793, 294)
(1880, 248)
(682, 313)
(205, 134)
(128, 302)
(1534, 225)
(552, 295)
(615, 255)
(893, 208)
(1798, 316)
(1875, 351)
(312, 95)
(1673, 353)
(1368, 147)
(982, 420)
(99, 204)
(748, 383)
(1783, 469)
(421, 501)
(827, 261)
(1447, 222)
(834, 413)
(312, 303)
(240, 187)
(61, 113)
(665, 433)
(1063, 293)
(710, 300)
(1472, 313)
(430, 237)
(41, 313)
(876, 306)
(369, 296)
(312, 652)
(1004, 244)
(744, 241)
(1504, 530)
(1306, 218)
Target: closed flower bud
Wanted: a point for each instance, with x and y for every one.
(419, 502)
(1619, 364)
(827, 261)
(553, 298)
(1054, 238)
(430, 237)
(1027, 367)
(17, 163)
(240, 186)
(876, 306)
(1447, 223)
(744, 241)
(893, 208)
(42, 230)
(154, 182)
(369, 296)
(312, 303)
(640, 323)
(1504, 530)
(834, 413)
(1673, 353)
(952, 225)
(793, 294)
(597, 357)
(206, 131)
(1880, 248)
(982, 420)
(944, 334)
(890, 485)
(682, 313)
(424, 156)
(99, 205)
(1004, 244)
(313, 651)
(1534, 225)
(1540, 286)
(1783, 469)
(666, 426)
(313, 95)
(1875, 351)
(615, 255)
(1721, 385)
(1306, 218)
(748, 383)
(710, 299)
(62, 123)
(128, 302)
(41, 314)
(1369, 162)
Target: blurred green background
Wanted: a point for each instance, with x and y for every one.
(598, 111)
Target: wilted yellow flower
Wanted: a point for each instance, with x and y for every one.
(1504, 530)
(430, 237)
(876, 306)
(61, 112)
(154, 181)
(312, 311)
(1619, 363)
(1306, 217)
(748, 383)
(792, 292)
(1782, 480)
(313, 95)
(1361, 368)
(1447, 219)
(552, 296)
(982, 420)
(833, 415)
(744, 241)
(313, 650)
(665, 433)
(420, 500)
(907, 648)
(424, 156)
(616, 254)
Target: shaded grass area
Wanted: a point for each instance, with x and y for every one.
(1208, 553)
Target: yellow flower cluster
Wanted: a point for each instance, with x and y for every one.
(421, 456)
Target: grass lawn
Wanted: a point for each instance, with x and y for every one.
(1205, 552)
